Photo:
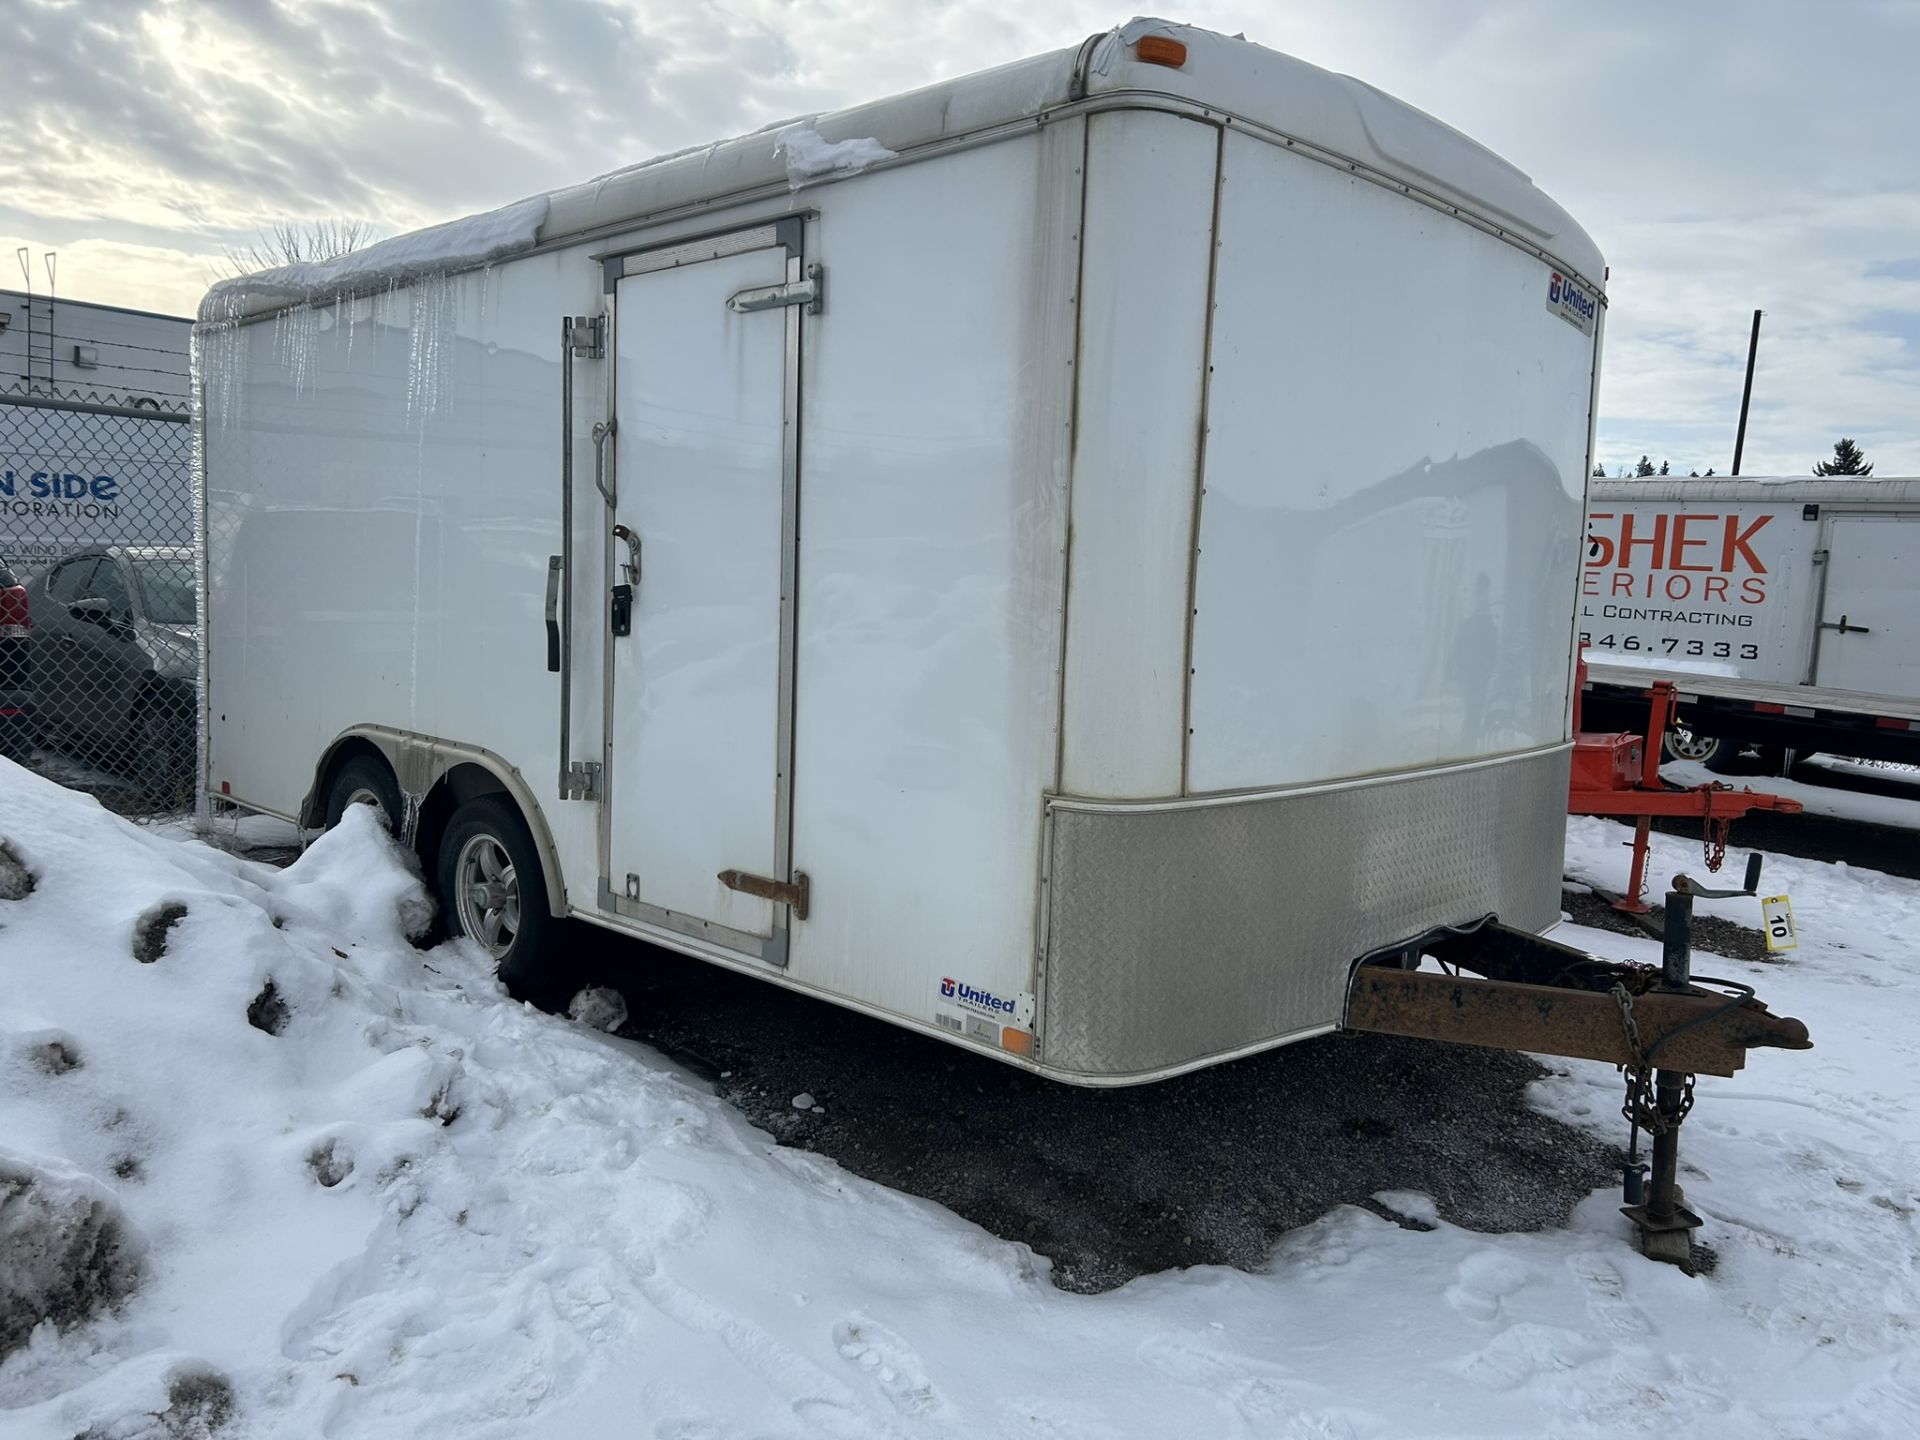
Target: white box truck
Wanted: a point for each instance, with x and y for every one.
(1785, 610)
(1067, 560)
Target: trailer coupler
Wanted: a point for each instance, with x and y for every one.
(1507, 989)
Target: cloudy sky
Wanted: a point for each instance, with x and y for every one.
(1726, 154)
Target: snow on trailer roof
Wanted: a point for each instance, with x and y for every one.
(1334, 115)
(1761, 489)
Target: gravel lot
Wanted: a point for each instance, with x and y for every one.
(1209, 1168)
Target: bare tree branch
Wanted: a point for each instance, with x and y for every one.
(298, 243)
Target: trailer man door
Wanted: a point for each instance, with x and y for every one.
(1869, 634)
(705, 473)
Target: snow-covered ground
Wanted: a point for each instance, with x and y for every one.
(421, 1210)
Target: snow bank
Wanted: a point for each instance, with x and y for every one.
(470, 240)
(67, 1249)
(418, 1210)
(809, 157)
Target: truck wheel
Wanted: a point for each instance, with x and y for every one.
(1681, 743)
(162, 761)
(492, 890)
(364, 780)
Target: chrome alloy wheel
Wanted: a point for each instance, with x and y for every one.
(487, 894)
(1683, 744)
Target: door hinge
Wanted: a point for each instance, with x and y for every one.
(587, 336)
(810, 292)
(793, 893)
(583, 780)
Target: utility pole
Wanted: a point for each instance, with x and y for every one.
(1746, 395)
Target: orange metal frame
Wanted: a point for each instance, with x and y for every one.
(1619, 775)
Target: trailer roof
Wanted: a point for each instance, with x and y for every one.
(1341, 118)
(1762, 489)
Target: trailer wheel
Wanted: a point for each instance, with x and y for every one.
(1680, 743)
(491, 887)
(365, 780)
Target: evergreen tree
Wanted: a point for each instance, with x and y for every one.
(1847, 460)
(1599, 471)
(1644, 468)
(1663, 467)
(1709, 474)
(1693, 474)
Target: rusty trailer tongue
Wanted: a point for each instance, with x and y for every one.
(1507, 989)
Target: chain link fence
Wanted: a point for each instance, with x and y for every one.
(99, 625)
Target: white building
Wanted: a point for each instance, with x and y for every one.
(94, 443)
(98, 354)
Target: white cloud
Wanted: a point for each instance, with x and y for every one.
(1726, 154)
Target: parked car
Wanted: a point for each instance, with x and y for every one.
(115, 648)
(16, 624)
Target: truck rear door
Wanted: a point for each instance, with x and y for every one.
(1870, 609)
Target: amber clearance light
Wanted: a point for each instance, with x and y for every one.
(1159, 50)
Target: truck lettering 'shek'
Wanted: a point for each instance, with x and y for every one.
(1675, 581)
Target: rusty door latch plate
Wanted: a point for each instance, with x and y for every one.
(791, 893)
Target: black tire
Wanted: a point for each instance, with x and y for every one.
(160, 742)
(364, 780)
(516, 932)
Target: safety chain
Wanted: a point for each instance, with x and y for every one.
(1642, 1108)
(1716, 829)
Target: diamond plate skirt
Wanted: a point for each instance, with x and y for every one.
(1177, 933)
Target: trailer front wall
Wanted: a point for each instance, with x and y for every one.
(1394, 474)
(1145, 264)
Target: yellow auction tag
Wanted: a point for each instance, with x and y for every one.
(1776, 918)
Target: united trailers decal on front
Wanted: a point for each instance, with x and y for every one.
(1572, 302)
(1669, 582)
(980, 1014)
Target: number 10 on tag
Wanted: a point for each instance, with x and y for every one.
(1776, 918)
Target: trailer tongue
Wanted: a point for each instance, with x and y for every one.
(1508, 989)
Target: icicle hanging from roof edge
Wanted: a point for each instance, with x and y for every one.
(434, 327)
(221, 342)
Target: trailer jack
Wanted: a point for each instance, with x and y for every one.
(1507, 989)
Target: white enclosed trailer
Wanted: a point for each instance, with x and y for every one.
(1067, 560)
(1785, 610)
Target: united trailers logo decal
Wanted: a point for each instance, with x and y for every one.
(1572, 302)
(1003, 1020)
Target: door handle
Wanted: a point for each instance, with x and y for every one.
(553, 613)
(602, 433)
(1844, 628)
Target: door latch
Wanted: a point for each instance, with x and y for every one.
(794, 893)
(810, 292)
(1844, 627)
(620, 610)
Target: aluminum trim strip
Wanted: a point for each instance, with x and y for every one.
(1246, 797)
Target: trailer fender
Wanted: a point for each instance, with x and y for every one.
(422, 762)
